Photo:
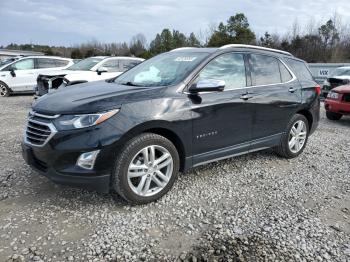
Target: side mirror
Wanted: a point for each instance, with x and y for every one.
(101, 70)
(12, 72)
(207, 85)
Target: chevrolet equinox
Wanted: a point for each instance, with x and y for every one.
(180, 109)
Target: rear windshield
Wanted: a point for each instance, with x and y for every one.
(300, 69)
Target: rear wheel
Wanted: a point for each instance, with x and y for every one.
(294, 140)
(145, 169)
(333, 116)
(4, 90)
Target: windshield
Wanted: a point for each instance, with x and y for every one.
(86, 64)
(7, 61)
(341, 72)
(163, 70)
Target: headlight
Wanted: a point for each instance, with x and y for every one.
(68, 122)
(333, 95)
(65, 81)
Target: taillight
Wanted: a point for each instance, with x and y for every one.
(318, 89)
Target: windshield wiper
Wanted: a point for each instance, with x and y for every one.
(130, 84)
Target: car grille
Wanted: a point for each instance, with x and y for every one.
(38, 133)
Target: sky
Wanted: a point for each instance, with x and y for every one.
(71, 22)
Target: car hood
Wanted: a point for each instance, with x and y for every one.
(340, 77)
(90, 76)
(91, 97)
(62, 72)
(342, 89)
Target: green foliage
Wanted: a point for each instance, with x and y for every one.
(236, 31)
(168, 40)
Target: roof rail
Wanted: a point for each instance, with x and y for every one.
(256, 47)
(182, 48)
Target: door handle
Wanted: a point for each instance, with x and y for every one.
(246, 96)
(292, 89)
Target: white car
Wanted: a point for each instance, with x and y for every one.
(21, 75)
(87, 70)
(340, 76)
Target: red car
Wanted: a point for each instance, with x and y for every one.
(337, 102)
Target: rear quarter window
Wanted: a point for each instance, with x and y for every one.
(300, 69)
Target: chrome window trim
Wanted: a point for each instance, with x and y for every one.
(49, 125)
(184, 86)
(256, 47)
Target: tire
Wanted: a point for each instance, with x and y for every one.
(132, 156)
(284, 149)
(4, 90)
(333, 116)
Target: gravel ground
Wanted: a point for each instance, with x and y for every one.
(256, 207)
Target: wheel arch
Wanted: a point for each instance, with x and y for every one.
(174, 138)
(308, 116)
(162, 128)
(2, 82)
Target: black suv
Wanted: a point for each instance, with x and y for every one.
(178, 110)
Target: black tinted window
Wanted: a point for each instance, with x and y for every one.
(113, 65)
(127, 64)
(46, 63)
(300, 69)
(285, 74)
(264, 70)
(61, 63)
(228, 67)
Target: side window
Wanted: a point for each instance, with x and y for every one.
(61, 63)
(25, 64)
(228, 67)
(127, 64)
(285, 74)
(264, 70)
(113, 65)
(46, 63)
(300, 69)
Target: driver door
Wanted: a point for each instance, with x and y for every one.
(24, 78)
(222, 121)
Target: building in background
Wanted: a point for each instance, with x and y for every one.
(8, 53)
(322, 71)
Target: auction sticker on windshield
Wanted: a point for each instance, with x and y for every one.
(185, 59)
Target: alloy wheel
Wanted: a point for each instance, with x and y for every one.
(3, 90)
(150, 170)
(297, 136)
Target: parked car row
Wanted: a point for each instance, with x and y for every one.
(20, 76)
(87, 70)
(41, 74)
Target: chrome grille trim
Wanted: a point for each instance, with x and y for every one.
(33, 113)
(38, 136)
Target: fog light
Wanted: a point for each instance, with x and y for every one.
(87, 160)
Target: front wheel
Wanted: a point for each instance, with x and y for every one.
(146, 168)
(4, 90)
(333, 116)
(294, 140)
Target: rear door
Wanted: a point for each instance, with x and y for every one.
(222, 121)
(276, 95)
(24, 78)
